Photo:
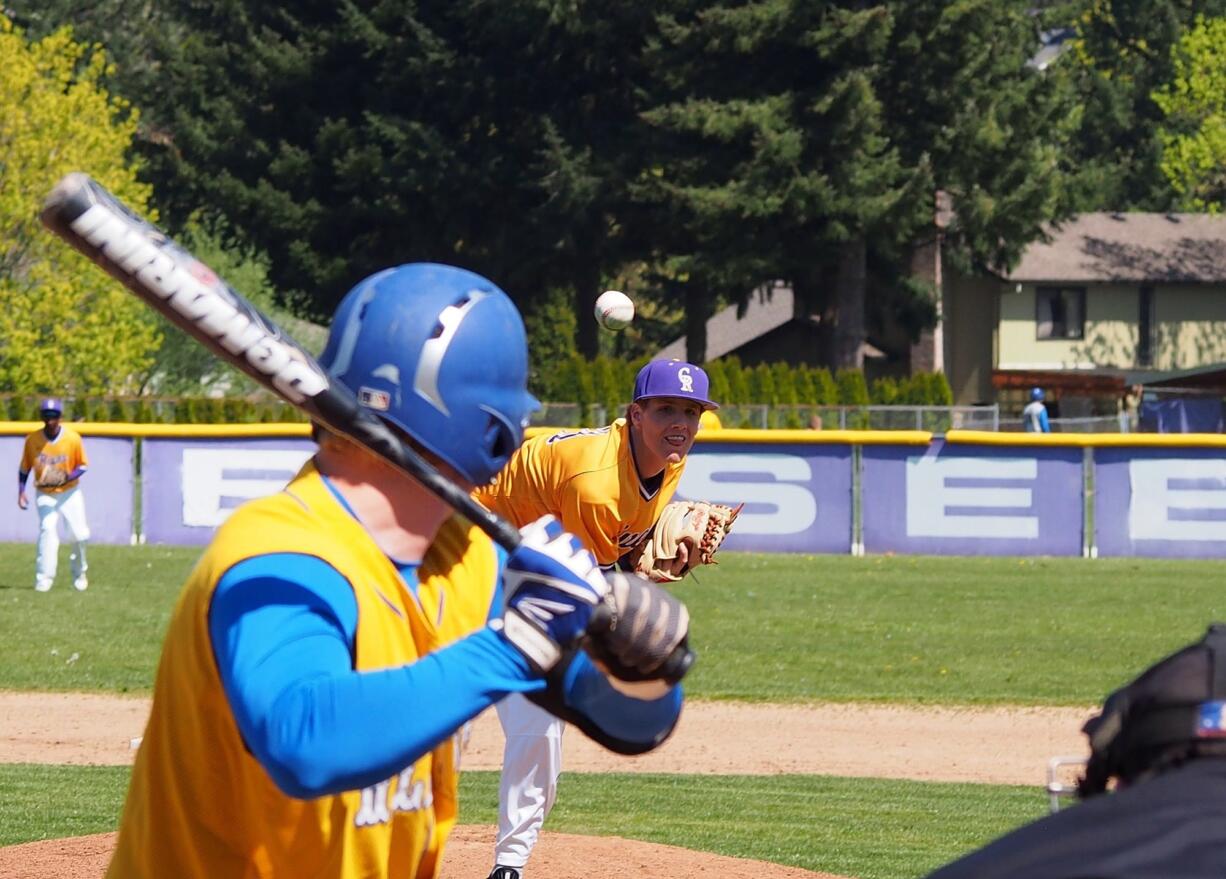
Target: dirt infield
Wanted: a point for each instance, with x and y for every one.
(992, 745)
(987, 745)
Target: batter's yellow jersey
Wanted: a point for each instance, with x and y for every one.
(66, 452)
(587, 479)
(200, 805)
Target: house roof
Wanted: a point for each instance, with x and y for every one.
(769, 307)
(1130, 247)
(1210, 376)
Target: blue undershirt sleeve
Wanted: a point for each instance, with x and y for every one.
(282, 628)
(589, 692)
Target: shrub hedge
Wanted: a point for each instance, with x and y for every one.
(601, 388)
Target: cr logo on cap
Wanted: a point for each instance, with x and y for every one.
(687, 380)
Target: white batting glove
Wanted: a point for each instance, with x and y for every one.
(552, 585)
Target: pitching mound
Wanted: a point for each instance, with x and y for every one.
(557, 856)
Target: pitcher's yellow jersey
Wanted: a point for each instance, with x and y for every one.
(66, 451)
(587, 479)
(200, 805)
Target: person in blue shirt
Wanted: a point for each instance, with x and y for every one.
(1034, 416)
(334, 638)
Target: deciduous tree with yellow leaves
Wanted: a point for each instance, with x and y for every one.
(65, 325)
(1194, 136)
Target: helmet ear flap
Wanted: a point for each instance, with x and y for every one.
(499, 442)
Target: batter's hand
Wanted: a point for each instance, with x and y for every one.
(23, 502)
(639, 628)
(553, 585)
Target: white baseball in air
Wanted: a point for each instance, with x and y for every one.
(614, 310)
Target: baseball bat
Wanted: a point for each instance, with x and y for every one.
(192, 297)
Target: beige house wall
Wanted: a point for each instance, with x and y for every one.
(1110, 331)
(990, 324)
(1189, 326)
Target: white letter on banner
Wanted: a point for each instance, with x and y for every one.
(205, 482)
(928, 496)
(795, 508)
(1153, 498)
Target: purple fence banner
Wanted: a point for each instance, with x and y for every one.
(107, 489)
(963, 499)
(797, 496)
(1160, 502)
(190, 486)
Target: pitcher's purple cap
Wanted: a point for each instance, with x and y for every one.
(51, 404)
(673, 378)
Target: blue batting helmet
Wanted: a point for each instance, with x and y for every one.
(1036, 394)
(441, 353)
(50, 405)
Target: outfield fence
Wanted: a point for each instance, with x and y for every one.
(828, 491)
(754, 416)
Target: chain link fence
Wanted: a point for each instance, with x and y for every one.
(936, 419)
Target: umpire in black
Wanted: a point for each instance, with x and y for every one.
(1154, 791)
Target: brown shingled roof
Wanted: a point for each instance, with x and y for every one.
(726, 332)
(1137, 247)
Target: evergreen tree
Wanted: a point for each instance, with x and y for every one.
(721, 391)
(884, 392)
(941, 394)
(852, 389)
(738, 381)
(342, 138)
(785, 383)
(550, 323)
(773, 160)
(806, 389)
(606, 390)
(762, 386)
(827, 391)
(143, 413)
(1120, 57)
(961, 101)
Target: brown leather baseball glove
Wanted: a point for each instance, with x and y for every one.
(52, 477)
(701, 526)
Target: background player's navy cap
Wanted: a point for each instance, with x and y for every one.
(673, 378)
(51, 404)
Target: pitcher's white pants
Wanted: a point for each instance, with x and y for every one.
(531, 763)
(51, 507)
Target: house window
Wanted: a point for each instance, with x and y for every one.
(1060, 313)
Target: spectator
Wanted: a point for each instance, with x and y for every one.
(1034, 416)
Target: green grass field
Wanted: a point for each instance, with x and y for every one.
(775, 628)
(868, 828)
(780, 628)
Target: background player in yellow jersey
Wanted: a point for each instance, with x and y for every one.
(335, 636)
(608, 487)
(56, 457)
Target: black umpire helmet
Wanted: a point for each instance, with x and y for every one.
(1175, 711)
